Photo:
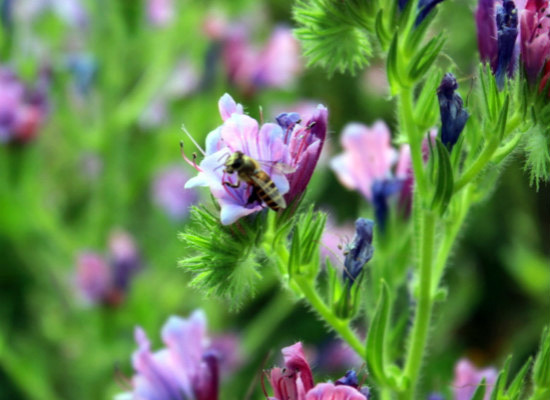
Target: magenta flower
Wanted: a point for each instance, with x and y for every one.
(184, 369)
(535, 37)
(169, 192)
(295, 381)
(22, 110)
(487, 32)
(467, 377)
(297, 147)
(106, 280)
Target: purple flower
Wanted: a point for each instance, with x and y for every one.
(467, 377)
(184, 369)
(169, 192)
(106, 280)
(93, 277)
(535, 37)
(545, 78)
(451, 108)
(360, 251)
(22, 110)
(160, 12)
(507, 32)
(269, 144)
(487, 32)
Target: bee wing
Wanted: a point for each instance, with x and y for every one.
(279, 167)
(274, 195)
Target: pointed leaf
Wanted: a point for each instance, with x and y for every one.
(376, 337)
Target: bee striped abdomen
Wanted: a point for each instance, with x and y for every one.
(268, 192)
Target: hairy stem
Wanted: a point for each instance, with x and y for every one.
(340, 326)
(423, 314)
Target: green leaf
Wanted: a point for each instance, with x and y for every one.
(425, 57)
(426, 110)
(445, 181)
(502, 119)
(480, 390)
(384, 37)
(541, 369)
(516, 387)
(376, 337)
(392, 69)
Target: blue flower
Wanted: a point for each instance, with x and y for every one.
(507, 32)
(451, 108)
(381, 191)
(360, 251)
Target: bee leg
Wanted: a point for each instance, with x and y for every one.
(233, 185)
(253, 198)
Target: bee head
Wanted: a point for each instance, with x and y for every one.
(234, 162)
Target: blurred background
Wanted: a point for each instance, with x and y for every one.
(92, 98)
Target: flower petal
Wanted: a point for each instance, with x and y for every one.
(228, 106)
(327, 391)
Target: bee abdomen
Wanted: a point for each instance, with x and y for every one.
(270, 195)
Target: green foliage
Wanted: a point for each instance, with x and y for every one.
(335, 35)
(537, 147)
(304, 247)
(223, 260)
(541, 369)
(442, 176)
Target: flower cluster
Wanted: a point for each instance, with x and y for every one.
(22, 110)
(106, 281)
(287, 142)
(185, 369)
(295, 381)
(497, 31)
(367, 165)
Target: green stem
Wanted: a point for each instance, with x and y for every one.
(449, 238)
(409, 125)
(477, 166)
(424, 309)
(340, 326)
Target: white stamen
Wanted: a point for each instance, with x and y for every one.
(193, 140)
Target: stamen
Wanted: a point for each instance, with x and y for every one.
(122, 380)
(227, 188)
(192, 139)
(193, 162)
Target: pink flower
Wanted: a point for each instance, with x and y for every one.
(535, 37)
(160, 12)
(295, 381)
(275, 65)
(296, 146)
(366, 165)
(368, 157)
(467, 377)
(334, 240)
(184, 369)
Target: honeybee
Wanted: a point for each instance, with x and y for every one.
(249, 170)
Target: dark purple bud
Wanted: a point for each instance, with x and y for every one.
(349, 379)
(424, 8)
(125, 259)
(507, 32)
(288, 120)
(451, 108)
(207, 382)
(402, 4)
(487, 32)
(381, 191)
(360, 251)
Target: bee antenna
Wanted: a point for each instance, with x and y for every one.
(192, 139)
